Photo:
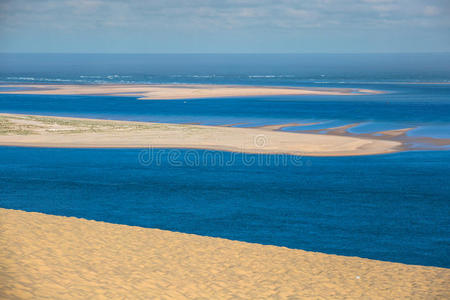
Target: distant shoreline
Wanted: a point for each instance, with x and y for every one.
(179, 91)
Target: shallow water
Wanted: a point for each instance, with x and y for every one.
(436, 131)
(388, 207)
(370, 127)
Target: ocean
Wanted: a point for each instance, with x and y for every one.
(392, 207)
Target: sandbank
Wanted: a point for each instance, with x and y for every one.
(44, 131)
(178, 91)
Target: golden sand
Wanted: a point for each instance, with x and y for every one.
(42, 131)
(53, 257)
(179, 91)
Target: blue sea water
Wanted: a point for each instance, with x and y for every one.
(390, 207)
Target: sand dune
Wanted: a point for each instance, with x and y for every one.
(52, 257)
(40, 131)
(179, 91)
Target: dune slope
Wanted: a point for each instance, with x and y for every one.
(44, 256)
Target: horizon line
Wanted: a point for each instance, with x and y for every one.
(228, 53)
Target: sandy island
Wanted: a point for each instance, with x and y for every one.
(53, 257)
(44, 131)
(178, 91)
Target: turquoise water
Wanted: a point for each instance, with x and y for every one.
(389, 207)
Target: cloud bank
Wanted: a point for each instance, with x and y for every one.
(224, 26)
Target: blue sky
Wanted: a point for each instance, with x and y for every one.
(224, 26)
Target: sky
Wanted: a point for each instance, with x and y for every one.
(224, 26)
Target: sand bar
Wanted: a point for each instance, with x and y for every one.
(178, 91)
(53, 257)
(44, 131)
